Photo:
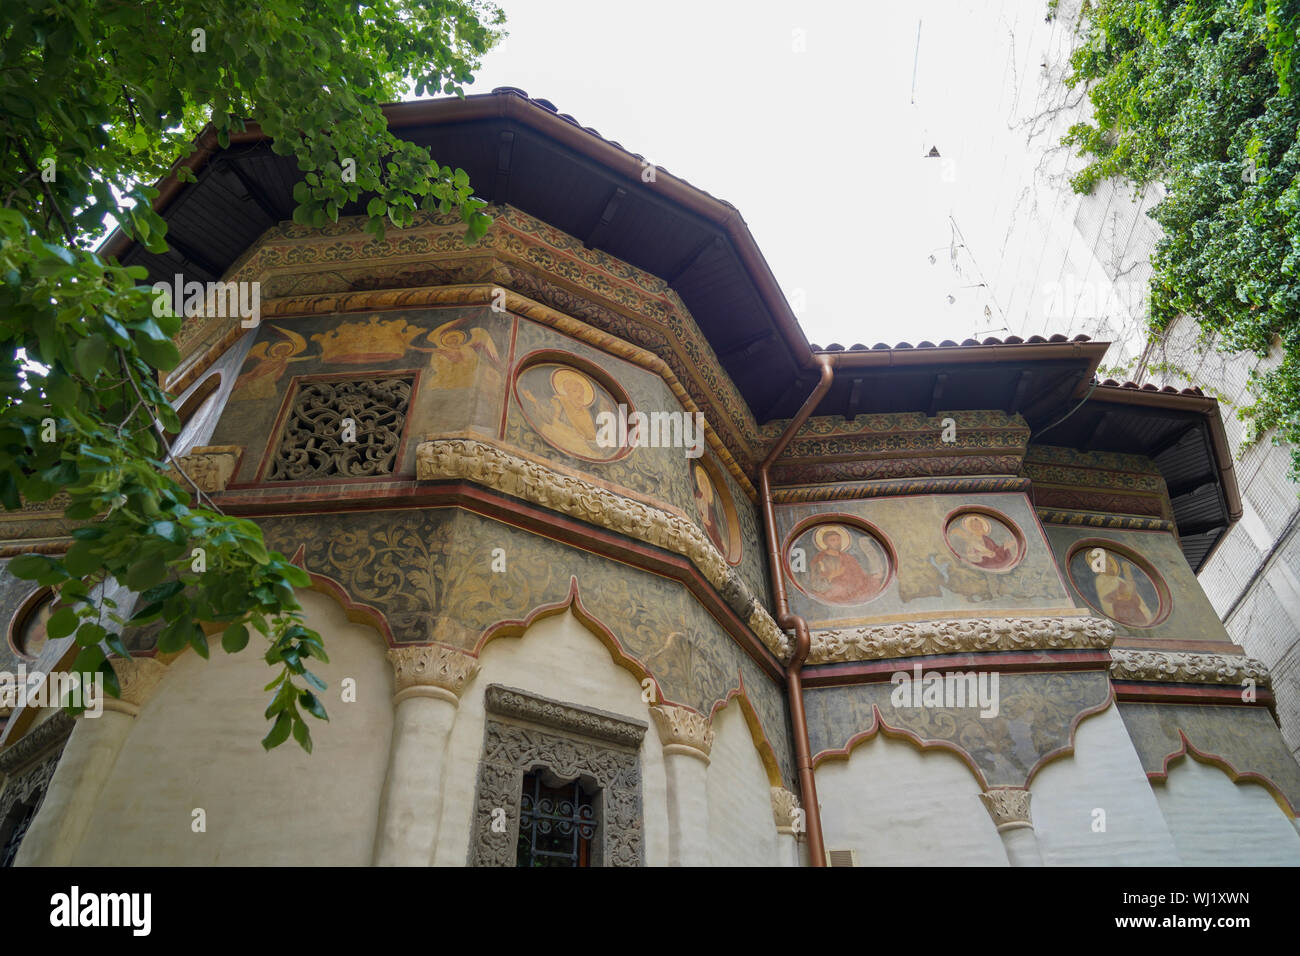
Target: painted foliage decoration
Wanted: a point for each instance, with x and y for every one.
(839, 564)
(1118, 585)
(563, 405)
(984, 541)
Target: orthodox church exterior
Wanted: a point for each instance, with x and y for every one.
(615, 569)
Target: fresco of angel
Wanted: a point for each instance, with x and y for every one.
(273, 358)
(456, 355)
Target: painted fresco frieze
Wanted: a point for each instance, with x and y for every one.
(1025, 720)
(918, 557)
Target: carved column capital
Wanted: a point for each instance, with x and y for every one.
(683, 731)
(431, 670)
(137, 677)
(1009, 808)
(784, 805)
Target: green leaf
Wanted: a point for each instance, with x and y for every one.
(82, 559)
(235, 638)
(147, 613)
(146, 572)
(302, 734)
(173, 637)
(312, 705)
(91, 354)
(162, 592)
(61, 623)
(90, 633)
(279, 732)
(111, 684)
(88, 660)
(115, 645)
(31, 566)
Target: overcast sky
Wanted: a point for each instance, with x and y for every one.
(808, 119)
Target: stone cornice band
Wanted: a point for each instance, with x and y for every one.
(509, 474)
(1186, 667)
(959, 636)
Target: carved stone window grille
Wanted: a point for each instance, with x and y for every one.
(536, 743)
(326, 414)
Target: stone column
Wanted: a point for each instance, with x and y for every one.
(788, 817)
(1009, 808)
(84, 768)
(429, 681)
(687, 740)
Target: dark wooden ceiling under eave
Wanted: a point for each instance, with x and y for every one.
(520, 151)
(1182, 433)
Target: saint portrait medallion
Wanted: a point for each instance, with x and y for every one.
(563, 405)
(839, 564)
(984, 540)
(1119, 585)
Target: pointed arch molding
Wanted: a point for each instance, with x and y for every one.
(766, 752)
(659, 700)
(355, 611)
(430, 576)
(573, 602)
(1038, 716)
(1242, 741)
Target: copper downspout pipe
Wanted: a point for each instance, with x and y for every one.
(802, 639)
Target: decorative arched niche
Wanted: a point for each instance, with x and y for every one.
(26, 633)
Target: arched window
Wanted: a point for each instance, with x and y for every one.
(27, 634)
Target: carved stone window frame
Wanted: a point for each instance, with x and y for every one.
(525, 731)
(29, 765)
